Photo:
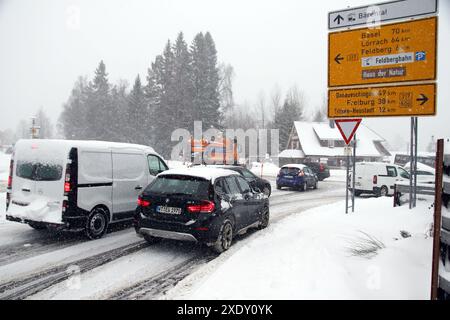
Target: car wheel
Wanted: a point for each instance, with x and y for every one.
(315, 185)
(266, 190)
(37, 226)
(97, 223)
(384, 191)
(151, 239)
(225, 238)
(278, 187)
(265, 217)
(302, 187)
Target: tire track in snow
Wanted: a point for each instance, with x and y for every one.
(19, 289)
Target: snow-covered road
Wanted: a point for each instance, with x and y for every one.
(41, 265)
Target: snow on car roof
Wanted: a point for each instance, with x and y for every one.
(294, 165)
(206, 173)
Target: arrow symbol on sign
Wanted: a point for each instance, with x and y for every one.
(338, 59)
(338, 19)
(423, 98)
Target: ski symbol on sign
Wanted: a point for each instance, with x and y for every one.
(347, 128)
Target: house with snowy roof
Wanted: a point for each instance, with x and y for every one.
(322, 142)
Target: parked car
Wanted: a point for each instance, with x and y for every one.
(425, 174)
(208, 205)
(377, 178)
(297, 176)
(320, 169)
(78, 185)
(256, 182)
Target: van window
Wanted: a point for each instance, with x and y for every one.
(391, 171)
(403, 173)
(39, 171)
(155, 165)
(128, 166)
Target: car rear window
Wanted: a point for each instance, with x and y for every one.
(39, 171)
(185, 185)
(289, 170)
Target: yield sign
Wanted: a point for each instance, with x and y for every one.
(347, 128)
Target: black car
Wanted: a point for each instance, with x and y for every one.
(256, 182)
(320, 169)
(207, 205)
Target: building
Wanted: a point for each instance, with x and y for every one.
(314, 141)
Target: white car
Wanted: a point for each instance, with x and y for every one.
(78, 185)
(378, 178)
(425, 174)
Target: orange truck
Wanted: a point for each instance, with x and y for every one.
(219, 151)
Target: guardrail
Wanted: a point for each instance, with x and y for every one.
(402, 188)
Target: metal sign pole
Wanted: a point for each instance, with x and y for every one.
(353, 175)
(415, 160)
(347, 182)
(411, 157)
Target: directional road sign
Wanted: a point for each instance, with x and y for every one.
(382, 12)
(405, 100)
(391, 53)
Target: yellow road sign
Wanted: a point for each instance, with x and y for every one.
(390, 53)
(405, 100)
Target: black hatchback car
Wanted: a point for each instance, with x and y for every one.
(208, 205)
(256, 182)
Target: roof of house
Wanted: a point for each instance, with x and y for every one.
(310, 134)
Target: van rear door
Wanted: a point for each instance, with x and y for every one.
(38, 185)
(130, 177)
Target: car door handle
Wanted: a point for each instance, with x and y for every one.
(26, 190)
(138, 188)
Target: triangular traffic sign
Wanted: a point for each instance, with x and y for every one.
(347, 128)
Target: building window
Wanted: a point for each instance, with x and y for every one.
(330, 143)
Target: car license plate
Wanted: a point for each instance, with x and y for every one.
(288, 177)
(168, 210)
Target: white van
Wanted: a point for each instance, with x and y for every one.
(78, 185)
(378, 178)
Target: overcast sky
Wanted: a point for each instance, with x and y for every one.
(45, 45)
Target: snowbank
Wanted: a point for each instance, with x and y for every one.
(4, 170)
(309, 256)
(337, 175)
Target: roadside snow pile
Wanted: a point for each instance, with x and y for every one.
(337, 175)
(4, 170)
(265, 169)
(173, 164)
(378, 252)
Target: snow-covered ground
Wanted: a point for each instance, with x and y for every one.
(309, 256)
(4, 170)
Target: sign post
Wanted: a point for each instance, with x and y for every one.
(347, 128)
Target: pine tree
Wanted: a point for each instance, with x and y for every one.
(292, 110)
(74, 115)
(183, 84)
(99, 111)
(138, 115)
(212, 89)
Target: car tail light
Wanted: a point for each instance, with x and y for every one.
(10, 177)
(301, 173)
(143, 203)
(67, 182)
(375, 179)
(205, 206)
